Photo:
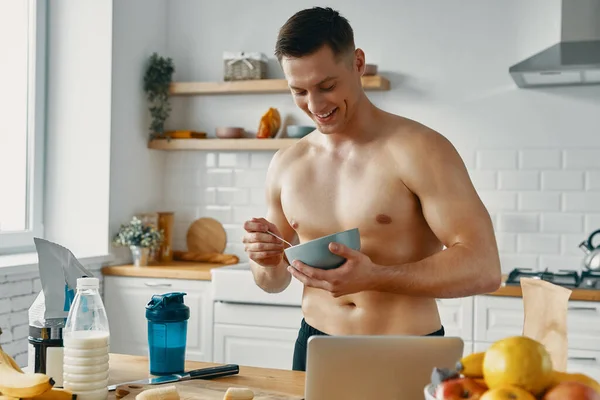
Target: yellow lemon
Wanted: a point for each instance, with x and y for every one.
(518, 361)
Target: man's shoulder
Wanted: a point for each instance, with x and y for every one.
(413, 137)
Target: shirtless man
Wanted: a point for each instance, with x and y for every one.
(402, 184)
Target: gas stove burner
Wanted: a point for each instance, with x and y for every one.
(566, 278)
(590, 280)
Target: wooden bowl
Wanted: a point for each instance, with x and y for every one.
(230, 132)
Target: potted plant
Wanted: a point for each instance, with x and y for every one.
(157, 81)
(140, 238)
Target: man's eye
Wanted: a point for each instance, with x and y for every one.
(300, 93)
(329, 89)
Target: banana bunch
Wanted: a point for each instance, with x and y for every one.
(15, 384)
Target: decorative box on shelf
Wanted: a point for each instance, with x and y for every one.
(243, 66)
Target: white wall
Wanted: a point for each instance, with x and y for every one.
(78, 125)
(136, 174)
(533, 154)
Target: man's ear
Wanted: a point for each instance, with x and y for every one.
(359, 61)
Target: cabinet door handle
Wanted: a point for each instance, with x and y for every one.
(594, 309)
(150, 284)
(592, 359)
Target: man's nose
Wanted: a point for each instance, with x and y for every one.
(315, 103)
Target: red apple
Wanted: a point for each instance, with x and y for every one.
(461, 388)
(571, 390)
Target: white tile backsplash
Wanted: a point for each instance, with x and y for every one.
(540, 159)
(497, 159)
(561, 223)
(562, 180)
(538, 243)
(582, 202)
(519, 180)
(543, 202)
(593, 180)
(582, 159)
(518, 223)
(539, 201)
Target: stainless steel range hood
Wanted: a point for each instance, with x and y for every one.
(575, 60)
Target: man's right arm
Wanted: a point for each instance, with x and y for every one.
(267, 260)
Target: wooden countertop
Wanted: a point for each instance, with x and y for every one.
(576, 294)
(124, 368)
(172, 270)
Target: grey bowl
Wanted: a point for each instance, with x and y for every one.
(298, 131)
(315, 253)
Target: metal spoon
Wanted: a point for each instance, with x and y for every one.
(283, 240)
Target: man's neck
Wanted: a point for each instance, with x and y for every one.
(361, 127)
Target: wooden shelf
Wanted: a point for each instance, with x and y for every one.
(221, 144)
(374, 82)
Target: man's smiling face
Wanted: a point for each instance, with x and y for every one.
(326, 88)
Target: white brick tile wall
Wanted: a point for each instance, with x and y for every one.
(507, 242)
(593, 180)
(518, 180)
(257, 196)
(542, 201)
(582, 202)
(250, 178)
(218, 178)
(232, 196)
(539, 201)
(537, 243)
(5, 306)
(498, 201)
(563, 180)
(540, 159)
(496, 159)
(570, 244)
(261, 160)
(234, 160)
(556, 263)
(592, 222)
(518, 223)
(221, 213)
(509, 262)
(582, 159)
(561, 223)
(14, 322)
(210, 196)
(484, 180)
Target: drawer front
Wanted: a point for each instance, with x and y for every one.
(584, 325)
(457, 316)
(258, 315)
(498, 317)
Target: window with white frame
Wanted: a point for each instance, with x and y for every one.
(22, 119)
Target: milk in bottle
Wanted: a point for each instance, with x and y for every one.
(86, 342)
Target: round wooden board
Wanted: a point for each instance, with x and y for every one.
(206, 235)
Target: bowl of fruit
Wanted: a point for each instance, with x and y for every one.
(513, 368)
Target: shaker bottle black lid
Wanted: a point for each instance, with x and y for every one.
(167, 307)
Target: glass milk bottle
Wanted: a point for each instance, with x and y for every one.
(86, 339)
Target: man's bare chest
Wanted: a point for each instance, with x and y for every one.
(319, 202)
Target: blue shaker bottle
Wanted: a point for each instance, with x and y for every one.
(167, 317)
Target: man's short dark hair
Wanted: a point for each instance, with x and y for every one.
(308, 30)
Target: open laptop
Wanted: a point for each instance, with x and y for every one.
(376, 367)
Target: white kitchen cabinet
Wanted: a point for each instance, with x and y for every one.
(125, 299)
(255, 335)
(497, 317)
(584, 325)
(457, 317)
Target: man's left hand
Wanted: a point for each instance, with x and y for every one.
(357, 274)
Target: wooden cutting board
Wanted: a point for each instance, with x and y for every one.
(199, 389)
(206, 235)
